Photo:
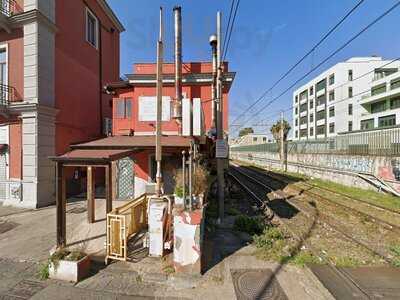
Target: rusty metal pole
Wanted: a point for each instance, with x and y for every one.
(177, 106)
(213, 43)
(184, 178)
(159, 106)
(190, 180)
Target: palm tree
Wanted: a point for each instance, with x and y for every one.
(276, 132)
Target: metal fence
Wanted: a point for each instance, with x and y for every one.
(9, 7)
(7, 94)
(381, 142)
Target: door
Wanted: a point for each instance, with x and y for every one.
(3, 162)
(125, 179)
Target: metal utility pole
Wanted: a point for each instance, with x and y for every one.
(177, 107)
(220, 129)
(213, 43)
(282, 142)
(159, 106)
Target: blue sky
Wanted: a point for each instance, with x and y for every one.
(269, 37)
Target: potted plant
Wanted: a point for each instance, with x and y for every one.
(178, 195)
(69, 265)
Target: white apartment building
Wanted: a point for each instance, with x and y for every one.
(361, 93)
(251, 139)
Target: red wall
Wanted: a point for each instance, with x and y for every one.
(15, 42)
(122, 126)
(15, 150)
(77, 71)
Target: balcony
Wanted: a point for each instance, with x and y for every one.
(8, 8)
(7, 95)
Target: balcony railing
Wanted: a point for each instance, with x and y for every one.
(7, 94)
(9, 7)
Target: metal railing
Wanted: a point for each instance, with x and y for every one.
(9, 7)
(378, 142)
(7, 94)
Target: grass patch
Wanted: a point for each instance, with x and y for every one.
(233, 211)
(271, 244)
(303, 258)
(347, 261)
(44, 271)
(384, 200)
(247, 224)
(169, 270)
(395, 250)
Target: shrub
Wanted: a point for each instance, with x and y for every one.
(250, 225)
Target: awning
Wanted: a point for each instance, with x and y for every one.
(92, 155)
(135, 142)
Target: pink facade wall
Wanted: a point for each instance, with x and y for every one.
(123, 126)
(78, 64)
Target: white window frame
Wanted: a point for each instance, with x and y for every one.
(5, 46)
(87, 13)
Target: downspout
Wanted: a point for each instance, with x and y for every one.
(213, 43)
(177, 108)
(100, 77)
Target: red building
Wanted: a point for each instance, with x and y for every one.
(55, 57)
(134, 120)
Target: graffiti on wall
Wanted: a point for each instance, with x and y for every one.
(345, 163)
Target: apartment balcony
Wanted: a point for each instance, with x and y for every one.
(390, 91)
(8, 8)
(321, 93)
(303, 113)
(303, 126)
(7, 95)
(321, 107)
(302, 101)
(321, 122)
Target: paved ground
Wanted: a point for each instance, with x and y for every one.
(27, 236)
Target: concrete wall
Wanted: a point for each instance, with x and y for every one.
(342, 169)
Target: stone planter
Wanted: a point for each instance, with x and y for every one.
(72, 271)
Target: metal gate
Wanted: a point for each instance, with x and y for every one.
(125, 178)
(3, 176)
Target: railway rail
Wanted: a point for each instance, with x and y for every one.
(252, 184)
(392, 213)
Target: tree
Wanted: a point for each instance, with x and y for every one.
(245, 131)
(276, 130)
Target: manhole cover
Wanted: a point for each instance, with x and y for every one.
(7, 226)
(257, 284)
(25, 289)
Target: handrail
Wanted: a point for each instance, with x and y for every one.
(7, 94)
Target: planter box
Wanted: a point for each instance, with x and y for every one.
(72, 271)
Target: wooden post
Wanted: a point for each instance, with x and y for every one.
(113, 174)
(90, 194)
(61, 205)
(108, 188)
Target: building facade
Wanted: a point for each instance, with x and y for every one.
(55, 56)
(134, 121)
(251, 139)
(358, 94)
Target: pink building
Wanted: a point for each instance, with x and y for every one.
(55, 57)
(134, 119)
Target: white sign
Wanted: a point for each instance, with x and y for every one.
(221, 149)
(148, 108)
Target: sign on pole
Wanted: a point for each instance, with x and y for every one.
(221, 149)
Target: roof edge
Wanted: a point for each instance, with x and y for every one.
(110, 13)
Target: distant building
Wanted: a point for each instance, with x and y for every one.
(251, 139)
(359, 94)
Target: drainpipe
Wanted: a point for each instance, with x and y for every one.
(100, 78)
(177, 108)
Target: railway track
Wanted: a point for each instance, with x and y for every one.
(257, 188)
(379, 209)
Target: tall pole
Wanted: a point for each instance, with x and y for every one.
(177, 106)
(220, 129)
(159, 106)
(282, 142)
(213, 43)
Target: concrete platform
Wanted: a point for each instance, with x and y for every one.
(361, 282)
